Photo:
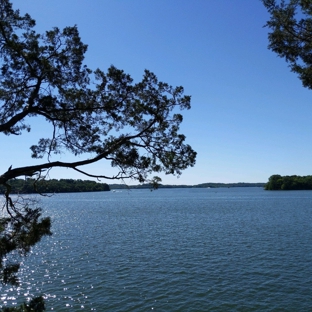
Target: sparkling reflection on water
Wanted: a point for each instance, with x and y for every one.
(239, 249)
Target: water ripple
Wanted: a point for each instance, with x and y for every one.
(173, 250)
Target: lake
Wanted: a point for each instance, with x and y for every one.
(224, 249)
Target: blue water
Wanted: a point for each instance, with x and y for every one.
(237, 249)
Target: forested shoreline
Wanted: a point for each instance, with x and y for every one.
(277, 182)
(28, 186)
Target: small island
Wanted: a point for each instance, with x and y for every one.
(277, 182)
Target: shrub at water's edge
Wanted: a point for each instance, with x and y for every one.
(294, 182)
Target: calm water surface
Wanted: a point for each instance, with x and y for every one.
(237, 249)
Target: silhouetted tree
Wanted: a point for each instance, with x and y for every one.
(291, 35)
(95, 114)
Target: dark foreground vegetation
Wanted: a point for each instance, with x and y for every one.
(93, 115)
(21, 186)
(294, 182)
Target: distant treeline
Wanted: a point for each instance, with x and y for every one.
(30, 185)
(203, 185)
(294, 182)
(54, 186)
(239, 184)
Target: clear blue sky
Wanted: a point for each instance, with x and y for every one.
(250, 115)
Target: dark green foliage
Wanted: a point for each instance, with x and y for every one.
(291, 38)
(294, 182)
(19, 231)
(35, 305)
(291, 35)
(28, 186)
